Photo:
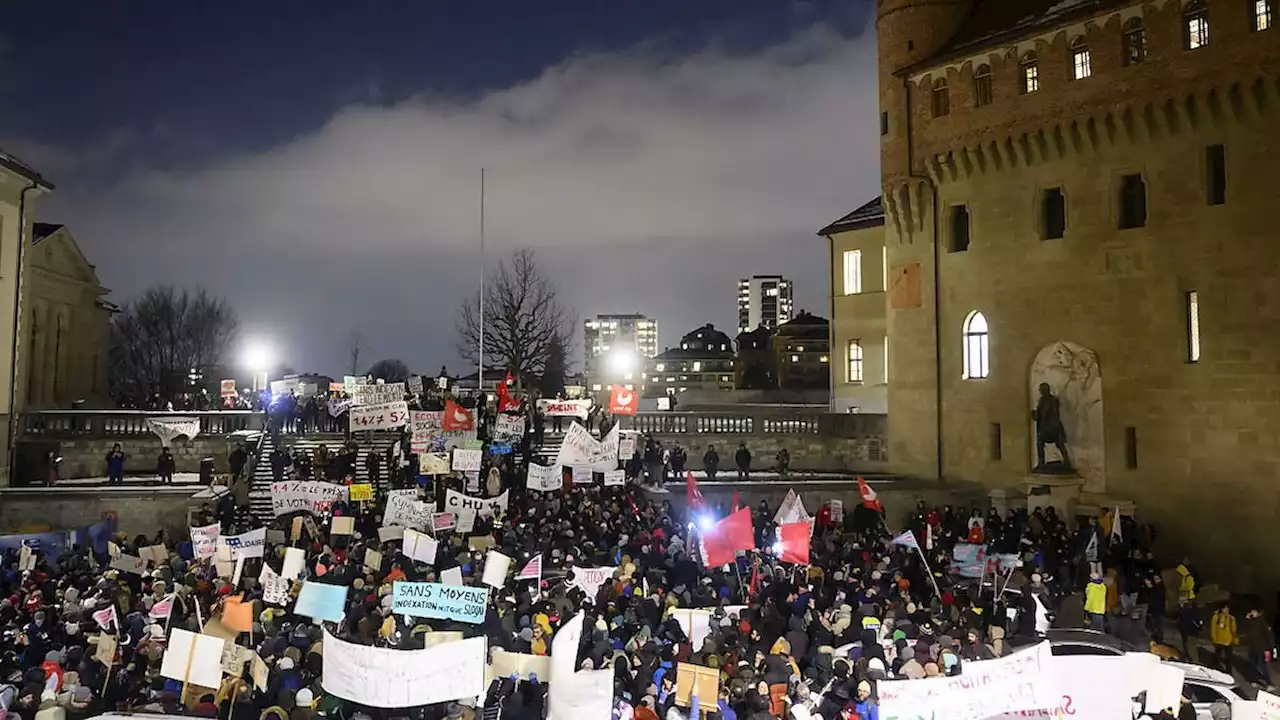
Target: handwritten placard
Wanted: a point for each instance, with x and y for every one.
(313, 497)
(440, 602)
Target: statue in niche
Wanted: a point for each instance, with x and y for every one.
(1050, 430)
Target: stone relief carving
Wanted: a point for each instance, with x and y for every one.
(1073, 383)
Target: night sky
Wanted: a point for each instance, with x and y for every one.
(318, 162)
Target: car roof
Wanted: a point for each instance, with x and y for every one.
(1081, 636)
(1202, 674)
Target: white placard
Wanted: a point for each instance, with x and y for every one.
(314, 497)
(578, 447)
(419, 546)
(496, 566)
(565, 408)
(128, 563)
(452, 576)
(378, 394)
(508, 428)
(193, 658)
(457, 502)
(1021, 681)
(295, 563)
(696, 624)
(383, 416)
(606, 453)
(467, 460)
(627, 446)
(247, 545)
(275, 589)
(589, 580)
(583, 476)
(405, 509)
(466, 522)
(545, 478)
(615, 478)
(387, 678)
(204, 540)
(387, 534)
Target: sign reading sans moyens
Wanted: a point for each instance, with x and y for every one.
(440, 602)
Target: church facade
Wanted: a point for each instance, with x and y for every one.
(1079, 195)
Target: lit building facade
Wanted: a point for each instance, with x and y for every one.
(764, 301)
(859, 278)
(615, 348)
(703, 361)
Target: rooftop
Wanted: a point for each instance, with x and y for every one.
(867, 215)
(40, 231)
(13, 164)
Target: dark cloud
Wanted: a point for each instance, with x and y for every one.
(646, 183)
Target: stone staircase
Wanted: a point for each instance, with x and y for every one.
(260, 494)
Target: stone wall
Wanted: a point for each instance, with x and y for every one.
(864, 452)
(137, 510)
(86, 457)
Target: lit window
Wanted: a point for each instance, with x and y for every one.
(726, 378)
(1193, 326)
(977, 349)
(697, 366)
(1081, 63)
(799, 348)
(855, 361)
(670, 379)
(824, 358)
(982, 93)
(1261, 15)
(1135, 42)
(886, 361)
(1197, 22)
(660, 367)
(884, 268)
(852, 272)
(795, 358)
(1030, 73)
(684, 346)
(771, 292)
(941, 99)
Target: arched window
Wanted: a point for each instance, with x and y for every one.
(941, 98)
(1135, 42)
(1081, 62)
(977, 347)
(982, 94)
(1030, 73)
(1196, 21)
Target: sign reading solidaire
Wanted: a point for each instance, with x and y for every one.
(440, 602)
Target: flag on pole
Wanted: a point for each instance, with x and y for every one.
(906, 539)
(721, 543)
(737, 502)
(1115, 527)
(531, 570)
(869, 498)
(693, 494)
(928, 536)
(106, 617)
(794, 541)
(162, 608)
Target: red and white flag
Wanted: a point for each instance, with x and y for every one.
(532, 570)
(692, 494)
(106, 618)
(869, 499)
(457, 417)
(162, 608)
(623, 401)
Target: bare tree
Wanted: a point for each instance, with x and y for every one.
(523, 318)
(354, 340)
(390, 370)
(160, 337)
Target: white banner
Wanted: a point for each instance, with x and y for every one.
(170, 428)
(314, 497)
(378, 394)
(605, 456)
(565, 408)
(589, 580)
(467, 460)
(249, 545)
(457, 503)
(204, 540)
(508, 428)
(1021, 681)
(1104, 686)
(578, 447)
(419, 546)
(615, 478)
(383, 416)
(405, 509)
(545, 477)
(386, 678)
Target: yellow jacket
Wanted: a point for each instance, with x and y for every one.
(1222, 629)
(1187, 587)
(1095, 598)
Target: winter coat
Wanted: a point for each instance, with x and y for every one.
(1223, 630)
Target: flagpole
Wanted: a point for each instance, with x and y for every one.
(929, 571)
(480, 353)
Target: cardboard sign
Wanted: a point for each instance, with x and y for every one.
(192, 658)
(433, 464)
(372, 560)
(343, 525)
(440, 602)
(388, 534)
(705, 679)
(360, 492)
(106, 652)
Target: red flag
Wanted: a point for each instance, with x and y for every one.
(692, 494)
(505, 401)
(737, 502)
(730, 535)
(457, 417)
(794, 538)
(754, 586)
(869, 499)
(623, 401)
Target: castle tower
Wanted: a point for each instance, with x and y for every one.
(908, 32)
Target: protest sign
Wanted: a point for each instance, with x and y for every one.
(496, 566)
(322, 602)
(565, 408)
(258, 669)
(247, 545)
(584, 694)
(444, 521)
(415, 384)
(433, 464)
(589, 580)
(466, 522)
(1021, 681)
(1266, 707)
(615, 478)
(393, 678)
(295, 563)
(605, 456)
(129, 564)
(227, 388)
(387, 534)
(696, 624)
(337, 407)
(689, 676)
(508, 428)
(419, 546)
(106, 652)
(837, 511)
(467, 460)
(429, 435)
(204, 540)
(506, 664)
(365, 395)
(169, 429)
(350, 382)
(456, 502)
(313, 497)
(275, 589)
(577, 448)
(583, 476)
(440, 602)
(1104, 686)
(383, 416)
(452, 576)
(360, 492)
(372, 560)
(285, 386)
(545, 478)
(405, 509)
(193, 659)
(627, 445)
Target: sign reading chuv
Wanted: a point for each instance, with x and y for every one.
(457, 502)
(440, 602)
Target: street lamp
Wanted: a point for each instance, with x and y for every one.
(622, 363)
(257, 359)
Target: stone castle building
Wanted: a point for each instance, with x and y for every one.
(1080, 193)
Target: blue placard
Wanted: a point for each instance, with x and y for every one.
(500, 449)
(440, 602)
(321, 601)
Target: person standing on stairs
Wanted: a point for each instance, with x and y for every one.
(324, 463)
(165, 465)
(373, 468)
(280, 462)
(236, 460)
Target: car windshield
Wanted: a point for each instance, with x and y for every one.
(1248, 692)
